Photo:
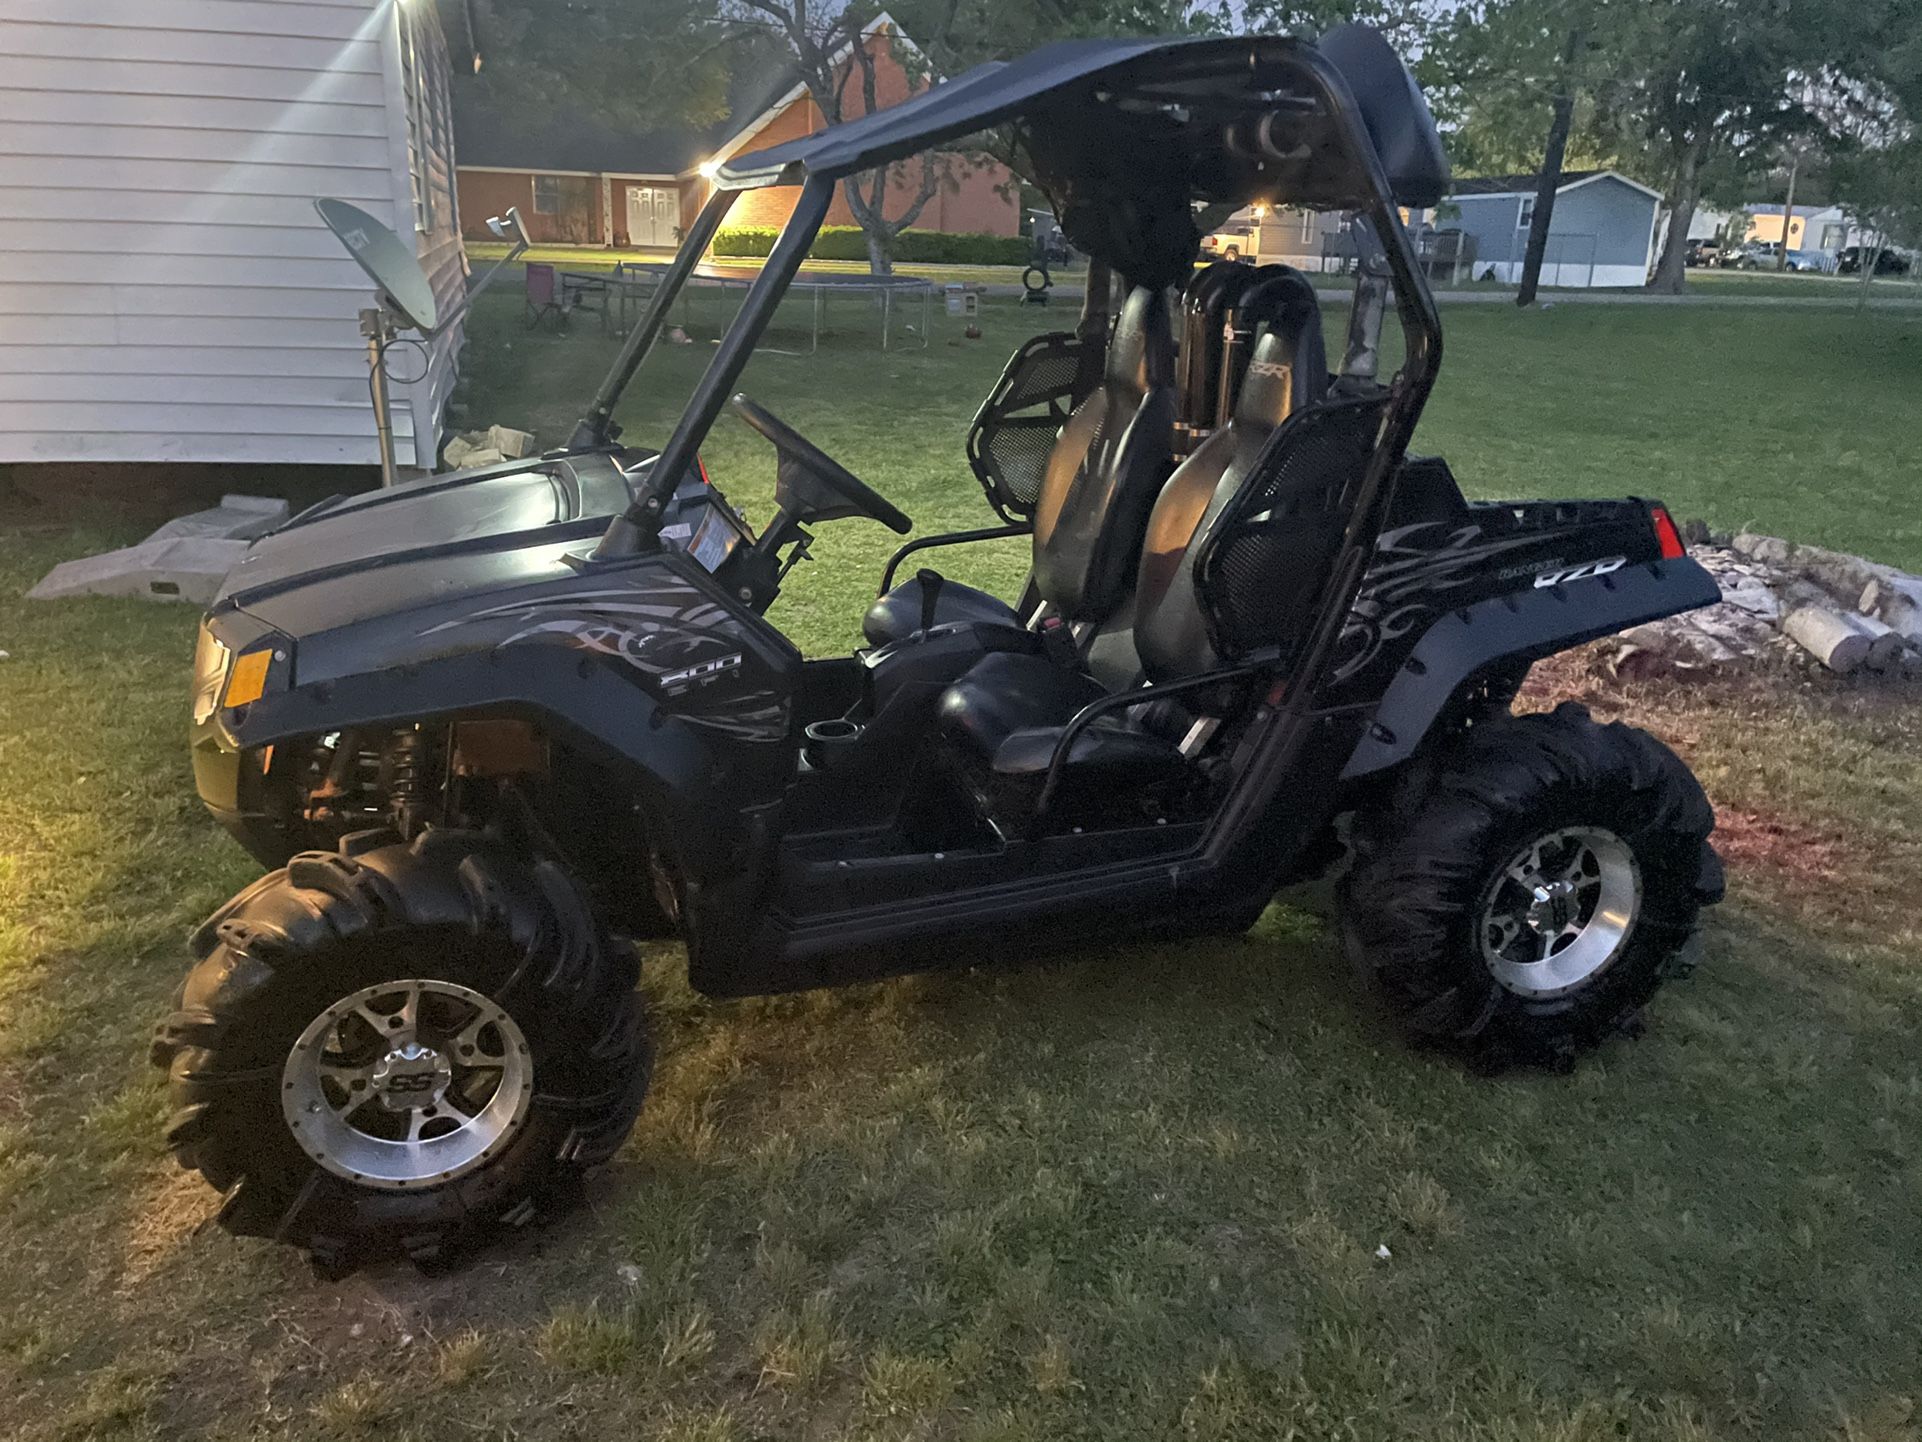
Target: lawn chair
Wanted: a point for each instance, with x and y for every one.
(543, 297)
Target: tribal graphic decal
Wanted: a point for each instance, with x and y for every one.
(690, 649)
(1414, 570)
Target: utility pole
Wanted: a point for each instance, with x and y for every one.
(1560, 118)
(1788, 211)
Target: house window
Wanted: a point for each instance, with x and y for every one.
(1525, 215)
(430, 129)
(547, 195)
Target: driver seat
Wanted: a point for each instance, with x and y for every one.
(1102, 476)
(1006, 715)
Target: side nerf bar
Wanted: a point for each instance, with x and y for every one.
(1521, 624)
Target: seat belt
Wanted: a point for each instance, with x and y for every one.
(931, 583)
(1058, 643)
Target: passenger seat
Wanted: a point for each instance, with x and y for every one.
(1008, 712)
(1103, 475)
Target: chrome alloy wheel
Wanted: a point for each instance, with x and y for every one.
(1559, 911)
(407, 1084)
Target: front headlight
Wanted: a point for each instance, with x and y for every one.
(211, 660)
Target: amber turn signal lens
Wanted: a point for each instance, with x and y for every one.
(248, 681)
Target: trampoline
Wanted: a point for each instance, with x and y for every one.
(630, 286)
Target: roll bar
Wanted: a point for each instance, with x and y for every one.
(637, 527)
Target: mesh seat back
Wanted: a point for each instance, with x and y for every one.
(1015, 429)
(1265, 562)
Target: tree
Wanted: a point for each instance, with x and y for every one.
(1707, 89)
(640, 64)
(944, 37)
(838, 53)
(1522, 67)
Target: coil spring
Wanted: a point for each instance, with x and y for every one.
(408, 787)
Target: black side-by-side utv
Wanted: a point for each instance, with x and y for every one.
(486, 727)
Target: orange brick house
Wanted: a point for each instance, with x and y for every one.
(579, 181)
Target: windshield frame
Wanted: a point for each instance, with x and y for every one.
(636, 527)
(596, 428)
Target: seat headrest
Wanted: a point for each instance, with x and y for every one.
(1141, 353)
(1288, 368)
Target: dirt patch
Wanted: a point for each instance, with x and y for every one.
(1797, 825)
(1797, 852)
(1589, 674)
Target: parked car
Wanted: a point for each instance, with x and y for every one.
(1230, 244)
(1702, 252)
(1887, 262)
(1809, 260)
(1751, 255)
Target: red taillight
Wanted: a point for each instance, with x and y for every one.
(701, 466)
(1666, 535)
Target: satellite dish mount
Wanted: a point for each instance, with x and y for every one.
(404, 298)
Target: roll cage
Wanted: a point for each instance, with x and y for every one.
(1128, 137)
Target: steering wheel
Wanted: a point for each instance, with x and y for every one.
(837, 477)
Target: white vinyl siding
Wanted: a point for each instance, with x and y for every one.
(166, 290)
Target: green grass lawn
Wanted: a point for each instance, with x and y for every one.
(1136, 1195)
(589, 258)
(1803, 284)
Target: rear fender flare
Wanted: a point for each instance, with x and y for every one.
(1521, 625)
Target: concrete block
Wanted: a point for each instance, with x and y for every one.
(512, 444)
(237, 517)
(165, 568)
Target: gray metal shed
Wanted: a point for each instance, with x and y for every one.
(1602, 232)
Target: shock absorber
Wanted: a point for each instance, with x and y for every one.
(409, 788)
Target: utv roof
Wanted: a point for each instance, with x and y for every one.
(1236, 119)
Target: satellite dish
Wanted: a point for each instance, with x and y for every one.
(388, 261)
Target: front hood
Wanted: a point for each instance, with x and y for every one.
(375, 546)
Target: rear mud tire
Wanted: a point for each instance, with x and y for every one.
(445, 908)
(1412, 903)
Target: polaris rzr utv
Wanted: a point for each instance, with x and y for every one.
(484, 728)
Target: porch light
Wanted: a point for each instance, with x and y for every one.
(708, 169)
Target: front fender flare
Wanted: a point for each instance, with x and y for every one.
(1522, 625)
(581, 698)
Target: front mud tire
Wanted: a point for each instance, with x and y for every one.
(448, 908)
(1428, 861)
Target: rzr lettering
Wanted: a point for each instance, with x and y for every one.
(1581, 572)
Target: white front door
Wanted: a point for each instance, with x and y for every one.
(652, 213)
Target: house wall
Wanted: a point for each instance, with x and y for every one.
(576, 221)
(167, 291)
(976, 193)
(1600, 234)
(1767, 226)
(1825, 230)
(420, 141)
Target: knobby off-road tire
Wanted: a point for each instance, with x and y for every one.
(1422, 906)
(517, 941)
